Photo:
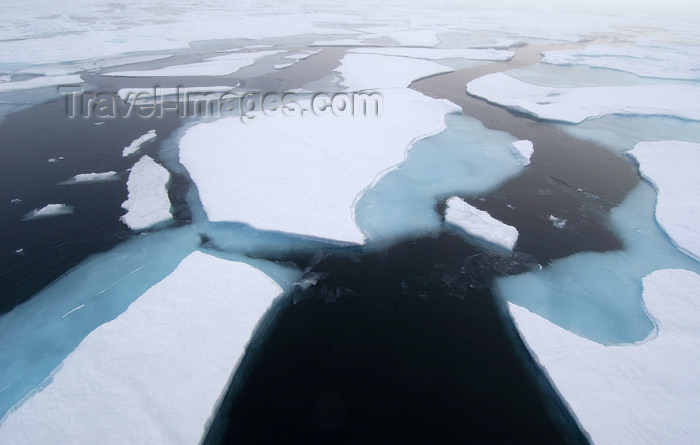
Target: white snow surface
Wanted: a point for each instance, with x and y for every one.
(480, 224)
(439, 53)
(670, 62)
(148, 203)
(156, 373)
(49, 210)
(574, 105)
(672, 167)
(138, 142)
(304, 175)
(647, 392)
(39, 82)
(523, 150)
(372, 71)
(212, 66)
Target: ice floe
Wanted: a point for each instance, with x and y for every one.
(673, 166)
(523, 150)
(212, 66)
(671, 62)
(647, 392)
(439, 53)
(156, 373)
(148, 203)
(91, 177)
(372, 71)
(303, 175)
(480, 224)
(138, 142)
(39, 82)
(49, 210)
(575, 105)
(559, 223)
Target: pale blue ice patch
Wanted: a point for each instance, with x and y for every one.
(599, 295)
(622, 133)
(466, 159)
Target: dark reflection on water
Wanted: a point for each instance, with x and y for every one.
(393, 346)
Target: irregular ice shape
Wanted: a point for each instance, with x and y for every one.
(438, 53)
(598, 295)
(523, 150)
(373, 71)
(92, 177)
(39, 82)
(673, 166)
(138, 142)
(303, 175)
(155, 373)
(411, 37)
(575, 105)
(679, 62)
(148, 203)
(466, 159)
(131, 94)
(212, 66)
(480, 224)
(559, 223)
(49, 210)
(646, 392)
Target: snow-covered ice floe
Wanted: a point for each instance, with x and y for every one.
(91, 177)
(480, 224)
(212, 66)
(670, 62)
(148, 95)
(559, 223)
(673, 168)
(647, 392)
(156, 373)
(523, 150)
(138, 142)
(148, 203)
(304, 175)
(39, 82)
(574, 105)
(439, 53)
(372, 71)
(49, 210)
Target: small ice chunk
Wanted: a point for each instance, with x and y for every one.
(15, 200)
(49, 210)
(559, 223)
(672, 167)
(19, 251)
(148, 203)
(54, 160)
(283, 66)
(92, 177)
(523, 150)
(137, 143)
(646, 392)
(480, 224)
